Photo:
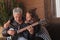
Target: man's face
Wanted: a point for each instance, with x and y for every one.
(17, 16)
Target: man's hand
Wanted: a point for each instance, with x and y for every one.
(11, 32)
(6, 25)
(30, 29)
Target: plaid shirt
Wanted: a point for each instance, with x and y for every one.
(44, 34)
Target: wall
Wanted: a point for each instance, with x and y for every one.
(39, 4)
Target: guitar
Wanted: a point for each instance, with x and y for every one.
(23, 29)
(42, 22)
(33, 25)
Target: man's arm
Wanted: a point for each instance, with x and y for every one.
(7, 24)
(4, 32)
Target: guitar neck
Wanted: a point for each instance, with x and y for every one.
(23, 29)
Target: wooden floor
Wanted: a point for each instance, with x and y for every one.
(1, 37)
(1, 32)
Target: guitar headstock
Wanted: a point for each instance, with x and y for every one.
(43, 21)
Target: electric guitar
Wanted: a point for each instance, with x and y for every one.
(42, 22)
(33, 25)
(23, 29)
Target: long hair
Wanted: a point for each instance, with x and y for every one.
(33, 14)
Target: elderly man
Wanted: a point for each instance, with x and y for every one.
(15, 25)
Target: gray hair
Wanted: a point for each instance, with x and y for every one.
(17, 10)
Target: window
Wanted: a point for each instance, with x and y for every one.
(57, 8)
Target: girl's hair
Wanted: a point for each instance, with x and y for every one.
(33, 14)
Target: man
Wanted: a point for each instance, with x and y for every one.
(17, 24)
